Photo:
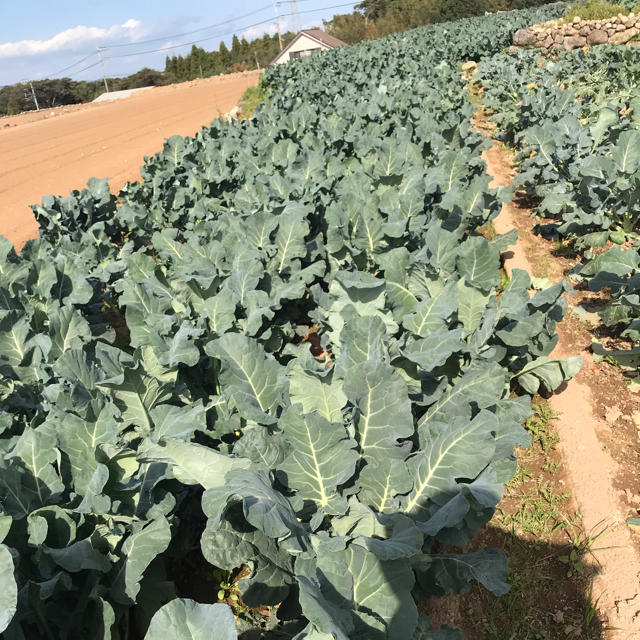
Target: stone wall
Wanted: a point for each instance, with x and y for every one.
(580, 33)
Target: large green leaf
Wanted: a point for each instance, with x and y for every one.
(184, 619)
(478, 262)
(322, 458)
(383, 415)
(453, 572)
(191, 463)
(253, 381)
(80, 438)
(138, 551)
(68, 330)
(626, 154)
(36, 450)
(549, 373)
(378, 592)
(471, 306)
(320, 394)
(430, 314)
(381, 481)
(460, 449)
(9, 594)
(483, 385)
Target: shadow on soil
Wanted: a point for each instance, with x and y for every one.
(550, 596)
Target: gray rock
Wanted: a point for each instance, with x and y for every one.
(598, 37)
(470, 65)
(523, 37)
(548, 42)
(585, 31)
(558, 39)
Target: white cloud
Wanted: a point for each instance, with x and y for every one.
(257, 32)
(74, 38)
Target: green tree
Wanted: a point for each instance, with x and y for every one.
(348, 27)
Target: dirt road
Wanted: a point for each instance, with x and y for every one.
(57, 150)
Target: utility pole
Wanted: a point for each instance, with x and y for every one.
(257, 61)
(275, 9)
(104, 77)
(33, 95)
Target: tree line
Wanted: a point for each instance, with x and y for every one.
(55, 92)
(242, 56)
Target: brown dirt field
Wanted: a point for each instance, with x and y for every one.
(56, 150)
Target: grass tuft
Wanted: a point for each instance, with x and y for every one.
(594, 10)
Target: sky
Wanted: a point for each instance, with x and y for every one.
(43, 39)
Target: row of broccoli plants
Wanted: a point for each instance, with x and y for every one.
(573, 119)
(287, 349)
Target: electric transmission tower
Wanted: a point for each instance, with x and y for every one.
(296, 24)
(295, 16)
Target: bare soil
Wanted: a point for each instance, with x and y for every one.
(56, 150)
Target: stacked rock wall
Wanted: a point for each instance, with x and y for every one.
(620, 29)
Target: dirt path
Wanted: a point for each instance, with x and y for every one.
(591, 469)
(54, 151)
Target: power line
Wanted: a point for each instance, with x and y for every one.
(185, 44)
(95, 64)
(75, 64)
(222, 35)
(188, 33)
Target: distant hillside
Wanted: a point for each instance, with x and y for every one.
(377, 18)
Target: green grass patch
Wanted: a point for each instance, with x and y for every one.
(251, 99)
(551, 563)
(594, 10)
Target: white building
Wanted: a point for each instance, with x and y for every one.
(307, 43)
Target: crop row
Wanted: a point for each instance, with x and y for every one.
(574, 122)
(287, 349)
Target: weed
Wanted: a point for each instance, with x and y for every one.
(563, 250)
(542, 266)
(574, 561)
(504, 281)
(592, 607)
(541, 511)
(539, 426)
(488, 231)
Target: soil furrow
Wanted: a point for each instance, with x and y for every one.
(589, 467)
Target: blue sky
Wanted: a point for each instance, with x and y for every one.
(39, 37)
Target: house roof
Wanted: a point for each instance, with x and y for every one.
(325, 38)
(315, 34)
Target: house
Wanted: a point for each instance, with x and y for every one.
(306, 43)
